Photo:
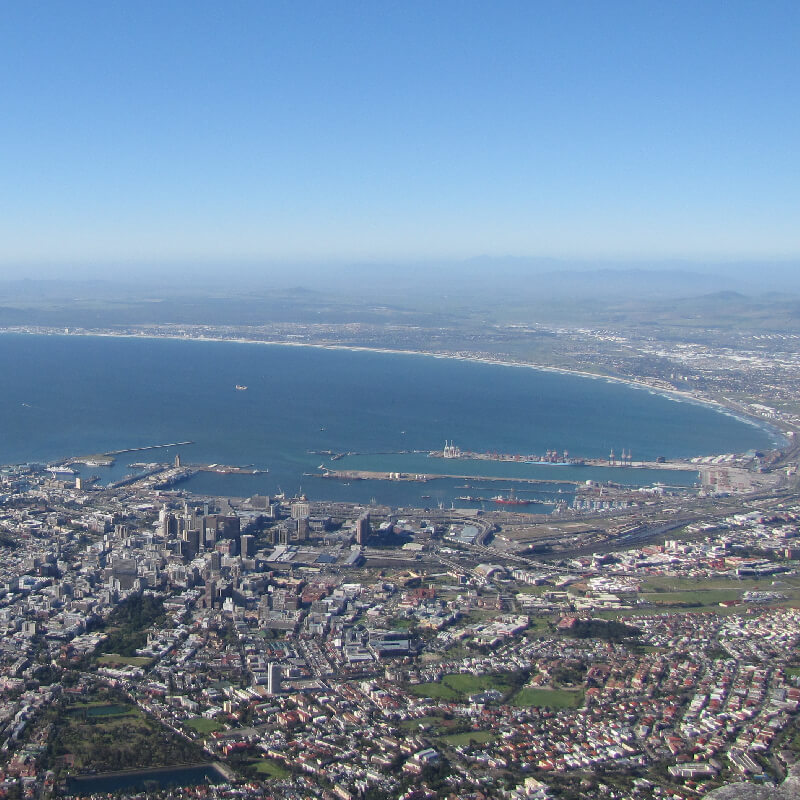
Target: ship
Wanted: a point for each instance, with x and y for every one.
(511, 500)
(240, 387)
(62, 470)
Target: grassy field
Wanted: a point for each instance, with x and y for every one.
(470, 737)
(413, 725)
(458, 686)
(539, 626)
(435, 691)
(702, 597)
(547, 698)
(270, 770)
(203, 726)
(670, 584)
(644, 610)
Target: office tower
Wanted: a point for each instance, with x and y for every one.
(300, 510)
(273, 678)
(248, 545)
(363, 529)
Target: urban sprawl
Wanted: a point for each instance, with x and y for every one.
(639, 644)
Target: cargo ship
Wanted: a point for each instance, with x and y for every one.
(511, 500)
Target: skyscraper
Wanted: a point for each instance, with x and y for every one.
(363, 528)
(273, 677)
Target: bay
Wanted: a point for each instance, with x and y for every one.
(70, 395)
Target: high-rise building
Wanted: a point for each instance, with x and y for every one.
(193, 517)
(300, 510)
(363, 528)
(248, 545)
(220, 526)
(164, 519)
(210, 595)
(192, 538)
(273, 678)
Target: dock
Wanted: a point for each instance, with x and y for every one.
(224, 469)
(552, 459)
(372, 475)
(146, 447)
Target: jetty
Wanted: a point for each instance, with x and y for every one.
(416, 477)
(146, 447)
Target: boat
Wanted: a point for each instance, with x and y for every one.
(62, 470)
(241, 387)
(511, 500)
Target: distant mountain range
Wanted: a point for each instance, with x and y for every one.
(506, 289)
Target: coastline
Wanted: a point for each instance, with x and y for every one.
(675, 395)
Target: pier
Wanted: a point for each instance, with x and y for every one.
(158, 476)
(554, 459)
(224, 469)
(372, 475)
(146, 447)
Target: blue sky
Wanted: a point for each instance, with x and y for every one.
(327, 131)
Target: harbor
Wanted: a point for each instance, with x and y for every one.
(550, 458)
(500, 479)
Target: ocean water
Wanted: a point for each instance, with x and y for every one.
(72, 395)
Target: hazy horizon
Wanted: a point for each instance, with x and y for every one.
(549, 273)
